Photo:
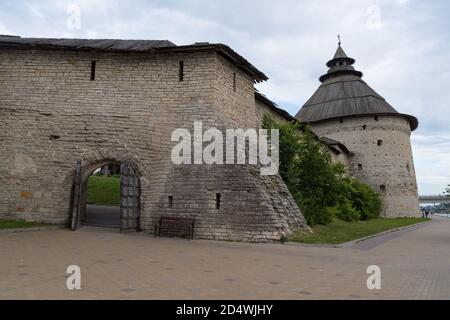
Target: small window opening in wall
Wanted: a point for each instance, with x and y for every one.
(54, 137)
(364, 127)
(217, 200)
(181, 71)
(93, 64)
(379, 142)
(407, 167)
(170, 199)
(234, 81)
(376, 118)
(341, 120)
(383, 188)
(360, 166)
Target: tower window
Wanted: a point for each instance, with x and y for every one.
(217, 200)
(93, 64)
(379, 142)
(383, 188)
(364, 127)
(407, 167)
(170, 201)
(181, 71)
(341, 120)
(360, 166)
(376, 118)
(234, 81)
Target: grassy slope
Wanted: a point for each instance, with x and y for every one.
(340, 231)
(104, 190)
(17, 224)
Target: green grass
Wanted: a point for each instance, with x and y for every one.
(18, 224)
(103, 190)
(340, 231)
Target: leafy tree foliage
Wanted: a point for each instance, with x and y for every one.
(318, 185)
(366, 201)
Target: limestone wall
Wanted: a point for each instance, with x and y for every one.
(52, 115)
(388, 168)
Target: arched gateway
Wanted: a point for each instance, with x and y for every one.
(130, 192)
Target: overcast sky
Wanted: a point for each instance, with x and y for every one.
(401, 46)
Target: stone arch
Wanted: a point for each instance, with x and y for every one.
(94, 159)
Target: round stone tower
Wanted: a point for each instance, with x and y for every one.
(346, 109)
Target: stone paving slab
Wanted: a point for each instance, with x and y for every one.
(414, 265)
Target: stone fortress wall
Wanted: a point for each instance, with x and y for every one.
(52, 115)
(382, 158)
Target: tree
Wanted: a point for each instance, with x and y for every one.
(308, 171)
(447, 191)
(319, 186)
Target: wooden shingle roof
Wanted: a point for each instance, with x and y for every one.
(343, 93)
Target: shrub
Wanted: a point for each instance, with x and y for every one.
(345, 211)
(366, 201)
(315, 214)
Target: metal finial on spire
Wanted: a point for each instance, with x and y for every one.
(339, 39)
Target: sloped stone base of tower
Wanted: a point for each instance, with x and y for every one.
(230, 202)
(397, 206)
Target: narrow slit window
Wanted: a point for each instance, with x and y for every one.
(364, 127)
(360, 166)
(217, 200)
(181, 71)
(376, 118)
(54, 137)
(383, 188)
(93, 65)
(170, 199)
(379, 142)
(341, 120)
(234, 81)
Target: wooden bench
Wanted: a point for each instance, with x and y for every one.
(175, 227)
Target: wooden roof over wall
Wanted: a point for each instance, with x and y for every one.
(116, 45)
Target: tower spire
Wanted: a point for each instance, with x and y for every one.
(340, 64)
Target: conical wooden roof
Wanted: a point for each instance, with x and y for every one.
(343, 93)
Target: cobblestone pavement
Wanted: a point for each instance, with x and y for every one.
(414, 265)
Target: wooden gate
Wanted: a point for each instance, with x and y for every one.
(76, 203)
(129, 198)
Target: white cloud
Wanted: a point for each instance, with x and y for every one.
(432, 161)
(4, 29)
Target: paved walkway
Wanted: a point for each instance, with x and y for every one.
(102, 216)
(414, 265)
